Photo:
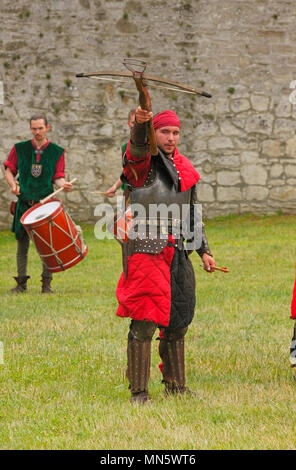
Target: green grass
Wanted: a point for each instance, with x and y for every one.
(63, 380)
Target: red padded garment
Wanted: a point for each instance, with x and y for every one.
(146, 293)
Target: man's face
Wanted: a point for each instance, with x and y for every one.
(167, 138)
(39, 130)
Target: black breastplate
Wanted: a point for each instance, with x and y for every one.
(160, 188)
(158, 208)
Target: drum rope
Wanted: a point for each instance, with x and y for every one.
(49, 245)
(74, 241)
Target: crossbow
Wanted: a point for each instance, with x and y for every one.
(136, 69)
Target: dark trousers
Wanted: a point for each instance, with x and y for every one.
(144, 331)
(22, 258)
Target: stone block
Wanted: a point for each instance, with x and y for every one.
(205, 193)
(260, 123)
(290, 171)
(239, 105)
(106, 130)
(272, 148)
(291, 181)
(217, 143)
(222, 105)
(249, 157)
(254, 174)
(286, 193)
(276, 170)
(259, 102)
(257, 193)
(74, 197)
(228, 128)
(198, 145)
(206, 128)
(248, 142)
(207, 177)
(284, 127)
(228, 178)
(276, 182)
(207, 167)
(229, 193)
(291, 147)
(227, 161)
(283, 108)
(240, 91)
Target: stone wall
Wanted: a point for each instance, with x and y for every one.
(242, 140)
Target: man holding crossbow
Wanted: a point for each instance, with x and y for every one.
(157, 287)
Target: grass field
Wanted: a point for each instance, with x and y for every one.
(63, 380)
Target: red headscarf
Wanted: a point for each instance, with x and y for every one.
(166, 118)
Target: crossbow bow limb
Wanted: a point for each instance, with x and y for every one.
(137, 67)
(148, 78)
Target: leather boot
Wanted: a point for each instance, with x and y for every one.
(172, 352)
(173, 366)
(46, 289)
(138, 369)
(21, 284)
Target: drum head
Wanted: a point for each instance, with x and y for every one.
(41, 212)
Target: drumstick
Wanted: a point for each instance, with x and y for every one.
(98, 192)
(216, 268)
(55, 192)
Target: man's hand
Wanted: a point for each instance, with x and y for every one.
(112, 190)
(15, 189)
(208, 262)
(67, 186)
(14, 185)
(61, 183)
(143, 116)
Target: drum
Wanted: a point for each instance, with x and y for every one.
(57, 239)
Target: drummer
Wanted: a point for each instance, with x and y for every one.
(31, 169)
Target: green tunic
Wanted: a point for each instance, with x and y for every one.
(35, 179)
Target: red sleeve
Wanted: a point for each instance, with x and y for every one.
(11, 161)
(135, 170)
(60, 168)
